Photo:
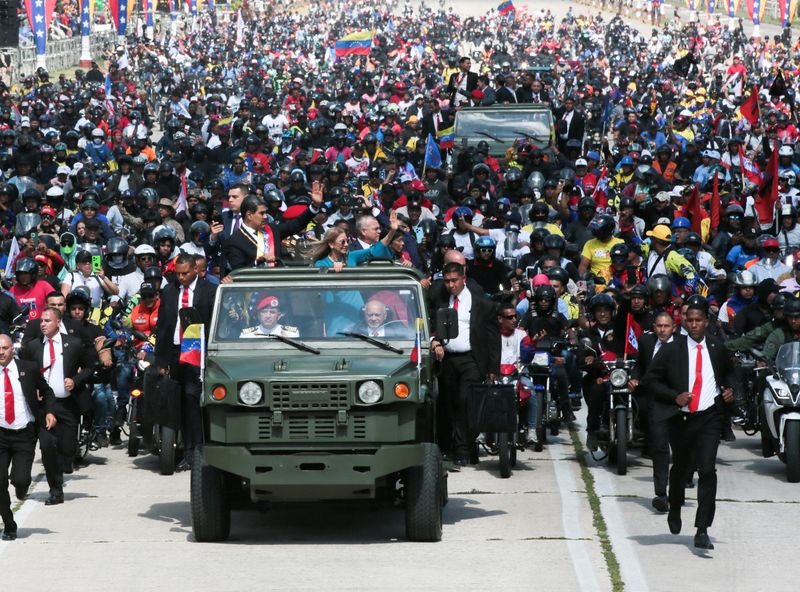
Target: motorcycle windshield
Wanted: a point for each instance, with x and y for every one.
(787, 363)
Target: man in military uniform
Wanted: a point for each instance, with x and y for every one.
(269, 313)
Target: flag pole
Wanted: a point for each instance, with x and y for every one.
(627, 337)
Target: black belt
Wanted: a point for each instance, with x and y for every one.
(687, 415)
(10, 431)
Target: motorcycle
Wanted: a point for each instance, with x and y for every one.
(752, 372)
(780, 422)
(620, 412)
(537, 380)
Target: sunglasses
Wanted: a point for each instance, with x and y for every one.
(510, 317)
(486, 250)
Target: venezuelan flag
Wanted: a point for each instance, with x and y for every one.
(192, 345)
(446, 137)
(359, 43)
(506, 7)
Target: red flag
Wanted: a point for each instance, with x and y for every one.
(695, 210)
(749, 108)
(768, 194)
(632, 332)
(715, 202)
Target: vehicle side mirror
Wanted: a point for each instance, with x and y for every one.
(447, 323)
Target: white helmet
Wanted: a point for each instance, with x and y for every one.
(98, 133)
(786, 150)
(144, 250)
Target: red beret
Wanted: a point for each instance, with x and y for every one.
(268, 302)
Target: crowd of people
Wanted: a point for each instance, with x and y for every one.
(666, 201)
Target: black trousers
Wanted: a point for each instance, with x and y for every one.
(596, 396)
(59, 444)
(695, 439)
(17, 449)
(459, 373)
(658, 442)
(188, 377)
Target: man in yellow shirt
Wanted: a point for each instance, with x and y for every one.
(596, 254)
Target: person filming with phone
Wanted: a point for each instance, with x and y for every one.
(89, 272)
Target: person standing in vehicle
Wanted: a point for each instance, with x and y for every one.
(468, 359)
(66, 367)
(28, 407)
(695, 376)
(187, 291)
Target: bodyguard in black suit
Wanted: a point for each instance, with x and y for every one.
(188, 291)
(694, 380)
(66, 367)
(252, 245)
(570, 124)
(462, 83)
(654, 415)
(21, 416)
(469, 359)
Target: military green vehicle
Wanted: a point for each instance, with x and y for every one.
(311, 393)
(501, 125)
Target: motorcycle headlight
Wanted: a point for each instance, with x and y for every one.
(370, 392)
(781, 394)
(541, 359)
(250, 393)
(618, 377)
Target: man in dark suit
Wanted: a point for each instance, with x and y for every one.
(434, 120)
(467, 360)
(257, 244)
(188, 291)
(506, 93)
(33, 331)
(66, 366)
(570, 124)
(462, 83)
(375, 315)
(27, 406)
(653, 414)
(694, 380)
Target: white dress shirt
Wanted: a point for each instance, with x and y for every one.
(22, 413)
(659, 343)
(176, 337)
(461, 343)
(709, 390)
(54, 371)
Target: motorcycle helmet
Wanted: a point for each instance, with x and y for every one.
(485, 242)
(602, 227)
(117, 253)
(638, 290)
(659, 283)
(745, 279)
(153, 274)
(79, 296)
(601, 300)
(791, 307)
(619, 253)
(559, 274)
(555, 241)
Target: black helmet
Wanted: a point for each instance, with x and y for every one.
(117, 253)
(779, 302)
(26, 265)
(659, 283)
(446, 240)
(555, 241)
(602, 226)
(693, 239)
(791, 307)
(638, 290)
(544, 292)
(559, 274)
(153, 274)
(620, 251)
(297, 177)
(600, 300)
(164, 232)
(539, 211)
(81, 296)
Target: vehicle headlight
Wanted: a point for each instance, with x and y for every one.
(618, 377)
(250, 393)
(541, 359)
(370, 392)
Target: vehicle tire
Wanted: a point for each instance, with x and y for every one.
(133, 439)
(149, 437)
(621, 443)
(513, 451)
(541, 427)
(211, 514)
(504, 454)
(767, 446)
(166, 455)
(84, 440)
(791, 448)
(424, 497)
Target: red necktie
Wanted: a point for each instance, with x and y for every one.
(10, 415)
(184, 303)
(52, 353)
(455, 302)
(697, 388)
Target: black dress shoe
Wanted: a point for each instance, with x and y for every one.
(660, 504)
(674, 521)
(461, 461)
(184, 465)
(701, 540)
(10, 535)
(21, 492)
(54, 500)
(728, 435)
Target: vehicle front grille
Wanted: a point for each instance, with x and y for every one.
(298, 396)
(312, 427)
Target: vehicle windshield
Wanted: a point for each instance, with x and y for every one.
(788, 362)
(314, 314)
(504, 124)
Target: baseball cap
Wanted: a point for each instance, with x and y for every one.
(662, 196)
(63, 170)
(770, 243)
(581, 162)
(660, 232)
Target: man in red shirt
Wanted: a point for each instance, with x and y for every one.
(29, 290)
(737, 74)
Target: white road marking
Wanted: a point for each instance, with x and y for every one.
(570, 517)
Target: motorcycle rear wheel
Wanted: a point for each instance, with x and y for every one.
(621, 441)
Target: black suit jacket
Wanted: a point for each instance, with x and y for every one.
(575, 130)
(505, 95)
(203, 303)
(429, 127)
(78, 365)
(240, 250)
(484, 333)
(452, 84)
(647, 343)
(668, 374)
(33, 383)
(33, 331)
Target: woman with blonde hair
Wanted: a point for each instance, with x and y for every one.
(334, 249)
